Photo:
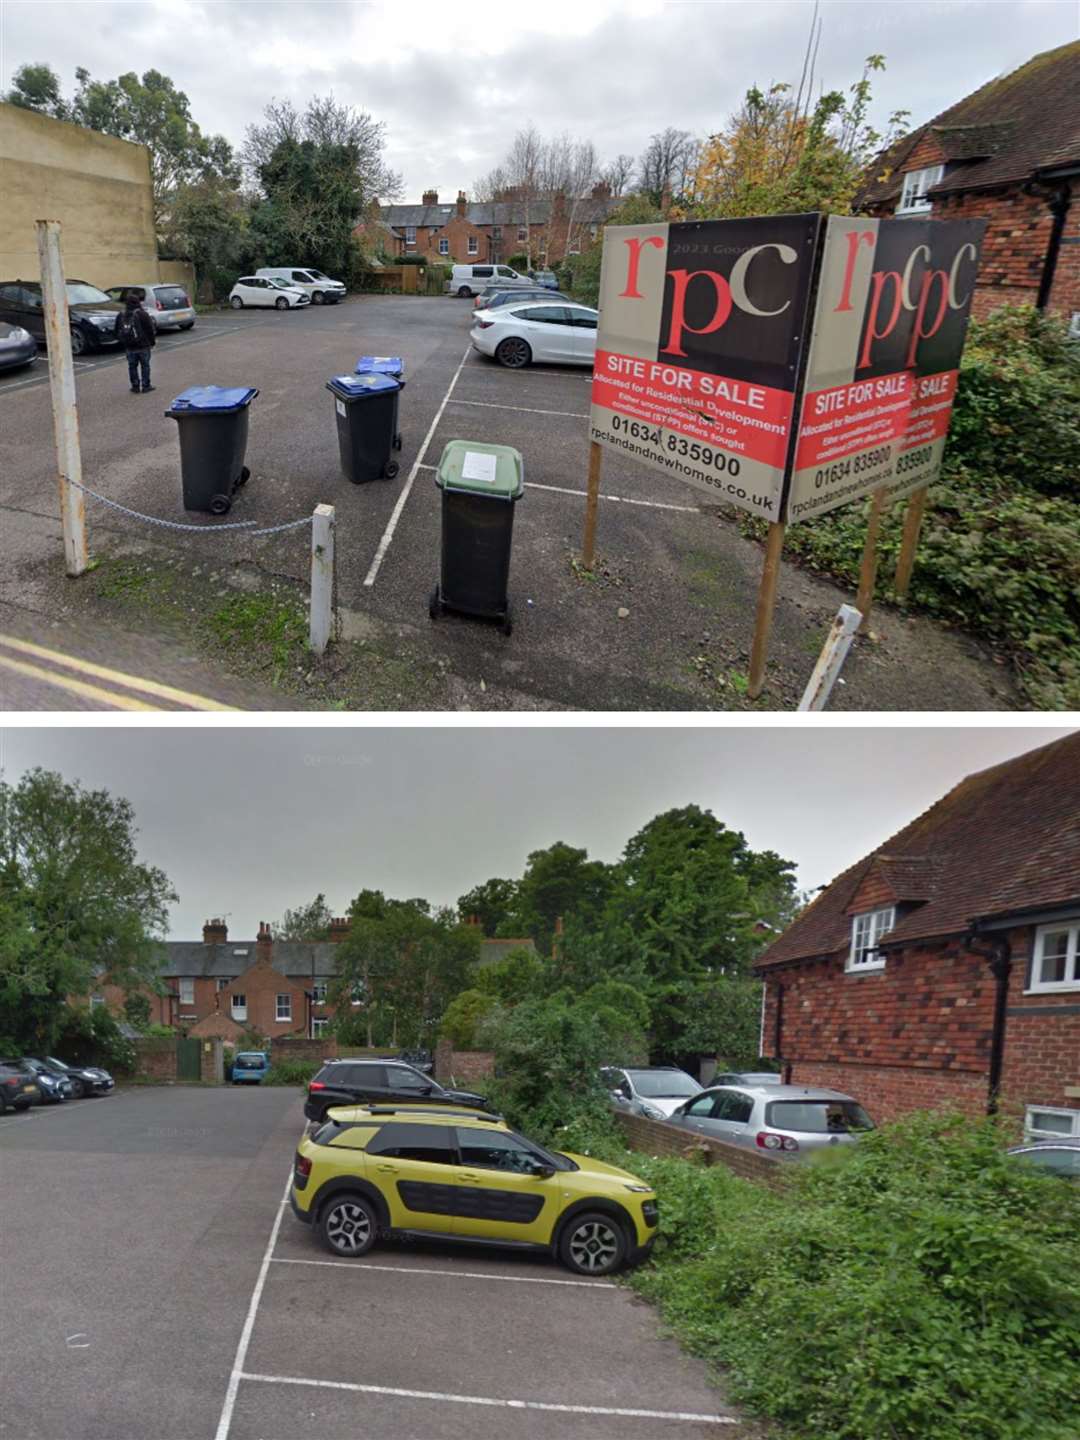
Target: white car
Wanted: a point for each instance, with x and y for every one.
(255, 290)
(516, 335)
(313, 283)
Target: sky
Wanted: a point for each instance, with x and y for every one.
(250, 822)
(453, 84)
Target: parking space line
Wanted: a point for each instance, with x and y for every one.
(522, 409)
(453, 1274)
(492, 1400)
(615, 499)
(391, 526)
(102, 672)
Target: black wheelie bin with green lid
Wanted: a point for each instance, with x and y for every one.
(481, 484)
(212, 422)
(366, 409)
(392, 365)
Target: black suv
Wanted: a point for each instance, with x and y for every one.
(91, 312)
(379, 1082)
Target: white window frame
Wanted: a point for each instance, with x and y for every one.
(318, 992)
(318, 1026)
(913, 197)
(238, 1007)
(866, 930)
(96, 1000)
(224, 981)
(279, 1007)
(1038, 986)
(1032, 1132)
(523, 232)
(356, 997)
(444, 245)
(473, 247)
(187, 991)
(410, 234)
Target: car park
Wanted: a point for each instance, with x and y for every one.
(267, 291)
(54, 1088)
(780, 1122)
(17, 346)
(465, 1176)
(360, 1082)
(167, 305)
(496, 297)
(319, 288)
(653, 1092)
(250, 1067)
(17, 1090)
(1053, 1157)
(85, 1079)
(519, 335)
(469, 280)
(92, 315)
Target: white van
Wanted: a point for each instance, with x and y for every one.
(314, 283)
(471, 279)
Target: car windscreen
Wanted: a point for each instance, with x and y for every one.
(80, 294)
(318, 275)
(277, 282)
(169, 292)
(663, 1084)
(818, 1117)
(250, 1062)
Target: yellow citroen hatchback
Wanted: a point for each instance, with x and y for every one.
(463, 1175)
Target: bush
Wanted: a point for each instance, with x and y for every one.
(292, 1072)
(463, 1015)
(89, 1035)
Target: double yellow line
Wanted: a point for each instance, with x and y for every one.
(57, 671)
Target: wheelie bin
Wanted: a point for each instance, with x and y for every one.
(366, 407)
(480, 486)
(385, 365)
(212, 423)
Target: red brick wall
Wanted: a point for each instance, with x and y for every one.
(652, 1137)
(1065, 291)
(889, 1091)
(289, 1047)
(155, 1059)
(260, 985)
(1042, 1041)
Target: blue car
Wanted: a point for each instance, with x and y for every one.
(249, 1067)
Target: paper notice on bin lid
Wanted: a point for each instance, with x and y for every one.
(477, 466)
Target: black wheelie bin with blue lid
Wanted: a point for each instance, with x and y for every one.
(481, 484)
(366, 406)
(392, 365)
(212, 421)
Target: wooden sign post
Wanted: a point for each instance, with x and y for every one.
(913, 518)
(868, 571)
(588, 548)
(770, 579)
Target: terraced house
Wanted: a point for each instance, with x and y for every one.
(944, 968)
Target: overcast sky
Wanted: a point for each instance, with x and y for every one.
(251, 822)
(452, 84)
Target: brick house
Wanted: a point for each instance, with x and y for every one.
(1009, 154)
(944, 968)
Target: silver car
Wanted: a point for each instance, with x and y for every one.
(654, 1092)
(167, 305)
(780, 1122)
(1055, 1157)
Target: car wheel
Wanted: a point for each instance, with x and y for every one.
(464, 292)
(281, 303)
(348, 1225)
(78, 342)
(236, 302)
(513, 352)
(592, 1244)
(316, 297)
(78, 1089)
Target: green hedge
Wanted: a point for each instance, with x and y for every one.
(292, 1072)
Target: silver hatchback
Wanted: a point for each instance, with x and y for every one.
(780, 1122)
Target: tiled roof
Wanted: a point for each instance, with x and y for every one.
(1008, 131)
(494, 951)
(590, 210)
(295, 958)
(1002, 841)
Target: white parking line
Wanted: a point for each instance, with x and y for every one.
(491, 1400)
(388, 533)
(616, 499)
(522, 409)
(453, 1274)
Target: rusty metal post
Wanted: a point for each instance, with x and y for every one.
(832, 657)
(62, 388)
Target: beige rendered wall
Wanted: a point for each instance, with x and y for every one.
(97, 187)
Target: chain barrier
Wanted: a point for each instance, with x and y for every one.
(244, 525)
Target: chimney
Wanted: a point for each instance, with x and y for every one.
(431, 197)
(665, 199)
(339, 928)
(473, 920)
(264, 945)
(461, 203)
(601, 190)
(215, 932)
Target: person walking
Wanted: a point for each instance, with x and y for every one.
(135, 331)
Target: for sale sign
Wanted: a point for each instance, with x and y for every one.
(697, 355)
(890, 316)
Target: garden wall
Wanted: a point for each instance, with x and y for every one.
(654, 1137)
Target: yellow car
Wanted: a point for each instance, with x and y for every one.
(465, 1175)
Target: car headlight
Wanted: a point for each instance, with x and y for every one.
(651, 1113)
(638, 1189)
(103, 321)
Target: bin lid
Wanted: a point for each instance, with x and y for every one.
(360, 387)
(214, 397)
(480, 469)
(380, 365)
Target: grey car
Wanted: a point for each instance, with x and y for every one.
(780, 1122)
(654, 1092)
(167, 305)
(1054, 1157)
(17, 346)
(747, 1077)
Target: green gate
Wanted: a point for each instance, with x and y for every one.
(187, 1059)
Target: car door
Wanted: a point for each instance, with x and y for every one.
(415, 1166)
(407, 1086)
(31, 310)
(693, 1115)
(730, 1119)
(547, 329)
(366, 1084)
(583, 328)
(500, 1194)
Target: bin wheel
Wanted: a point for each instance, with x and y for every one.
(220, 504)
(507, 626)
(397, 442)
(435, 608)
(245, 476)
(391, 470)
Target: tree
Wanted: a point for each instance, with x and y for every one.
(724, 1019)
(667, 165)
(618, 173)
(137, 1010)
(462, 1016)
(524, 168)
(208, 222)
(37, 87)
(521, 975)
(583, 271)
(493, 903)
(560, 882)
(306, 922)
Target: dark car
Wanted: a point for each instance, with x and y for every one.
(53, 1089)
(17, 346)
(494, 299)
(91, 312)
(379, 1082)
(17, 1089)
(85, 1079)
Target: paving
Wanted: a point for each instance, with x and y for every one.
(159, 1287)
(663, 622)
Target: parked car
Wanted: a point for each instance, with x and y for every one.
(496, 297)
(653, 1092)
(469, 280)
(319, 288)
(518, 335)
(547, 278)
(17, 346)
(781, 1122)
(54, 1088)
(419, 1059)
(249, 1067)
(17, 1090)
(379, 1082)
(466, 1177)
(252, 291)
(91, 313)
(85, 1079)
(747, 1077)
(167, 305)
(1056, 1157)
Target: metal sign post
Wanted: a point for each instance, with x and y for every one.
(62, 388)
(833, 654)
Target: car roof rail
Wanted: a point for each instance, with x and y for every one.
(454, 1111)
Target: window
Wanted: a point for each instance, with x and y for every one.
(818, 1117)
(239, 1007)
(96, 1000)
(401, 1078)
(431, 1143)
(318, 992)
(357, 995)
(474, 245)
(444, 246)
(1055, 965)
(505, 273)
(187, 992)
(284, 1008)
(593, 231)
(523, 232)
(318, 1026)
(733, 1107)
(664, 1084)
(702, 1107)
(543, 315)
(913, 198)
(410, 234)
(1040, 1124)
(583, 319)
(483, 272)
(494, 1150)
(866, 931)
(224, 981)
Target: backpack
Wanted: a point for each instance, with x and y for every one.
(126, 328)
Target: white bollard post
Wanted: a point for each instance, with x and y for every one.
(322, 577)
(833, 654)
(62, 386)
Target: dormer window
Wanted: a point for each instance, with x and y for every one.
(1055, 964)
(866, 931)
(913, 197)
